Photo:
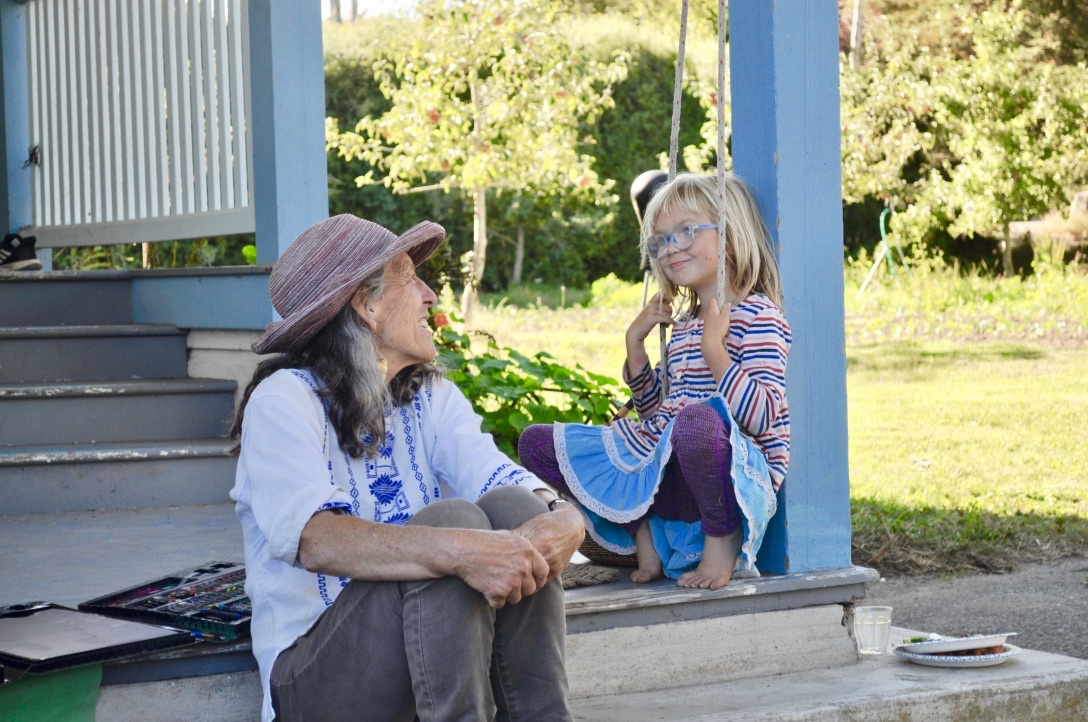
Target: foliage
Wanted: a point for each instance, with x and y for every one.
(961, 146)
(1057, 28)
(489, 94)
(932, 300)
(613, 292)
(195, 253)
(512, 391)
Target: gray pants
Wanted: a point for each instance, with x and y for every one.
(433, 649)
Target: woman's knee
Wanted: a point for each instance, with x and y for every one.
(452, 514)
(508, 507)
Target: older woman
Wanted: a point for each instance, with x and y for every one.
(398, 564)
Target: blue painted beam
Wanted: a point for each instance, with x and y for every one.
(220, 298)
(15, 195)
(287, 99)
(785, 104)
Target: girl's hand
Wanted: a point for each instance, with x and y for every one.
(715, 332)
(656, 311)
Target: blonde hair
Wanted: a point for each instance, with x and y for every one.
(751, 265)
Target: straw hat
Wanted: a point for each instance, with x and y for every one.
(318, 272)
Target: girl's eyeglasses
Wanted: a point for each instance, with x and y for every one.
(682, 237)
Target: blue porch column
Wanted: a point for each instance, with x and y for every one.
(16, 174)
(287, 98)
(785, 126)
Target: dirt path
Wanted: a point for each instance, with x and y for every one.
(1046, 603)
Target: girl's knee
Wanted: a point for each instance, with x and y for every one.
(696, 424)
(532, 437)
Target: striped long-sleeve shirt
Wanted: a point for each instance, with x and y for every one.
(754, 385)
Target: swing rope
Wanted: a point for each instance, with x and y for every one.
(721, 154)
(674, 147)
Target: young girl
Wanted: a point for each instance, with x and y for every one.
(690, 486)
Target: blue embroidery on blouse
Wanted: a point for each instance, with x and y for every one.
(386, 487)
(412, 454)
(510, 478)
(323, 590)
(335, 505)
(436, 489)
(354, 492)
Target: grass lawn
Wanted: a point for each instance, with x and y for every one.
(966, 453)
(967, 458)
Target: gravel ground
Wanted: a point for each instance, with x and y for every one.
(1047, 604)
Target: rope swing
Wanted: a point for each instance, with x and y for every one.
(674, 147)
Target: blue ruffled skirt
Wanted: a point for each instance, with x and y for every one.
(615, 486)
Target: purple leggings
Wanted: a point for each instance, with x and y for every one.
(696, 484)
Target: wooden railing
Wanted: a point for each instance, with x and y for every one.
(138, 120)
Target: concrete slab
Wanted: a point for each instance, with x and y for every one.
(1031, 686)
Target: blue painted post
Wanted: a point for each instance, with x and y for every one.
(287, 100)
(785, 99)
(16, 178)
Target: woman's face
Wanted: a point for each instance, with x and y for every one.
(399, 318)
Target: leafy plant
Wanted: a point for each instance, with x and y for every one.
(512, 391)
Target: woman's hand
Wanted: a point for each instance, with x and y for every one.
(715, 333)
(504, 566)
(657, 311)
(556, 535)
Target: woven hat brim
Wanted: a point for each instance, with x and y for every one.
(294, 332)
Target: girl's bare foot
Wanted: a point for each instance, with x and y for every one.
(649, 564)
(716, 568)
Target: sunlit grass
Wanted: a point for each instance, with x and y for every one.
(967, 457)
(966, 425)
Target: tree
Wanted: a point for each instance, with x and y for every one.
(489, 96)
(964, 144)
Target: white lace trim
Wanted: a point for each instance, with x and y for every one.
(584, 497)
(610, 546)
(764, 483)
(608, 436)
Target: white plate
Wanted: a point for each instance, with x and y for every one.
(982, 660)
(956, 644)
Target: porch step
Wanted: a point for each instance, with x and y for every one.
(91, 353)
(59, 298)
(116, 475)
(94, 412)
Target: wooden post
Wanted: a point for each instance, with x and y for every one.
(785, 100)
(287, 99)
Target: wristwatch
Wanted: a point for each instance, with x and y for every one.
(556, 502)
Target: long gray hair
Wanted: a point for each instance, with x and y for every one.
(344, 357)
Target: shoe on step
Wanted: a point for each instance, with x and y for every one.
(17, 254)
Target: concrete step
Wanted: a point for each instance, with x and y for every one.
(56, 298)
(91, 353)
(1032, 686)
(92, 412)
(116, 475)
